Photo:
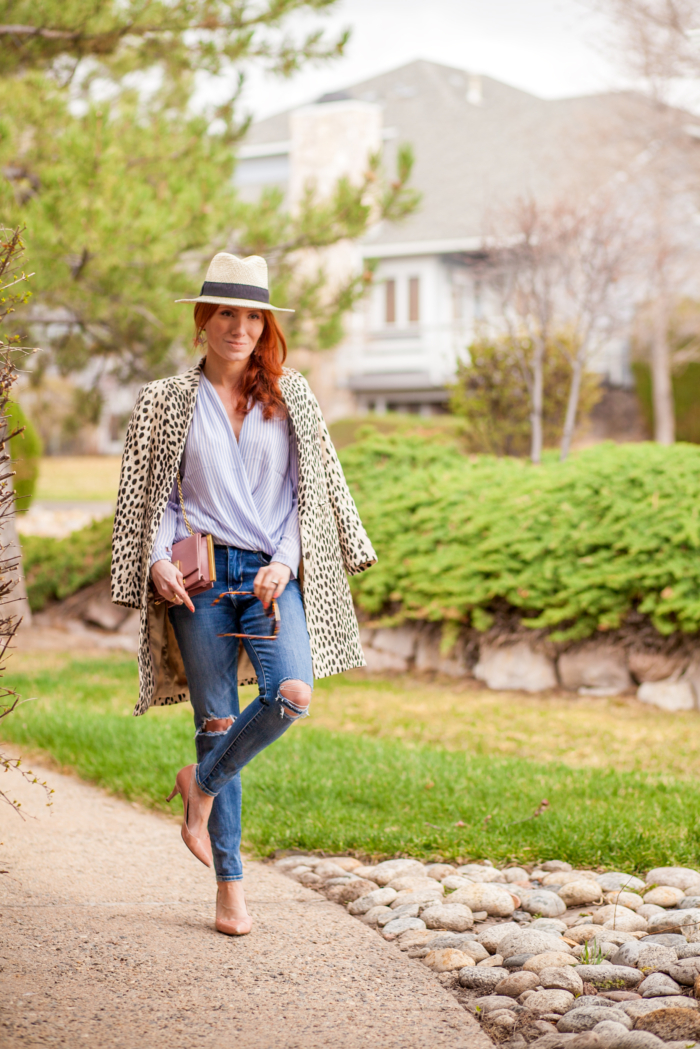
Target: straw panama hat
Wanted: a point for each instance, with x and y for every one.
(231, 281)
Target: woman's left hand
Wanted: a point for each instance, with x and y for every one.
(271, 581)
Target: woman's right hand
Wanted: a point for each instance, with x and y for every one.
(169, 583)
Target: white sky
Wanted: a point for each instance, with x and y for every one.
(549, 47)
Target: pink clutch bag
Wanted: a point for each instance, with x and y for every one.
(194, 556)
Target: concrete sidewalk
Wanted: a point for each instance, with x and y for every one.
(108, 941)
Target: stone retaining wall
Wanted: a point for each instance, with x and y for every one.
(594, 668)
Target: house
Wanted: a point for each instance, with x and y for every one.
(479, 145)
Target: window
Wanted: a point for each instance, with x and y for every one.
(390, 302)
(414, 300)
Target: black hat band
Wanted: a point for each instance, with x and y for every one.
(235, 291)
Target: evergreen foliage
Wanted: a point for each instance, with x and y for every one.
(25, 452)
(573, 546)
(55, 568)
(124, 177)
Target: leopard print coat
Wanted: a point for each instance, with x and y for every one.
(333, 540)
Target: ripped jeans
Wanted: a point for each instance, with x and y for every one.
(211, 665)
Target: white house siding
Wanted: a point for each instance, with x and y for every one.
(479, 145)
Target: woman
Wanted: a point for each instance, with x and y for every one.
(235, 448)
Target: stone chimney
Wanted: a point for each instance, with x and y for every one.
(475, 94)
(330, 140)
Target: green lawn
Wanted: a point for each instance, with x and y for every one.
(79, 478)
(372, 794)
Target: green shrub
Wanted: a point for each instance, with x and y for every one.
(25, 450)
(493, 399)
(55, 568)
(574, 546)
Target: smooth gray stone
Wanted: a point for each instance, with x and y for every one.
(593, 999)
(609, 1033)
(491, 1002)
(610, 977)
(627, 954)
(553, 1041)
(646, 1005)
(689, 901)
(549, 925)
(530, 941)
(480, 978)
(640, 1040)
(658, 985)
(655, 956)
(615, 881)
(666, 939)
(517, 961)
(451, 939)
(543, 901)
(689, 950)
(586, 1018)
(685, 971)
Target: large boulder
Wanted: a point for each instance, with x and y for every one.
(594, 668)
(517, 666)
(654, 666)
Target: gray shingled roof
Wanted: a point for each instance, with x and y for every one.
(472, 160)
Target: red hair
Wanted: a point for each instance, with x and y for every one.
(261, 378)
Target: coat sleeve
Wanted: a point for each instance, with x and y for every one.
(357, 550)
(129, 518)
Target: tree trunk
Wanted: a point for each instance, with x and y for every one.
(537, 401)
(662, 391)
(572, 406)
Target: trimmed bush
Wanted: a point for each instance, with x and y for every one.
(55, 568)
(25, 450)
(573, 546)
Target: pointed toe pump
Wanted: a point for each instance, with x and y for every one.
(198, 846)
(234, 926)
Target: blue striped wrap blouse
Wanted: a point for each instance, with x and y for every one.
(241, 492)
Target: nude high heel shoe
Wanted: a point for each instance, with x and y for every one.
(232, 926)
(199, 847)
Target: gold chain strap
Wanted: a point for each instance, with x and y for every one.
(182, 503)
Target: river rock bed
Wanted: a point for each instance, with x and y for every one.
(546, 956)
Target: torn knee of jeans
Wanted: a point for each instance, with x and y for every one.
(216, 726)
(295, 697)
